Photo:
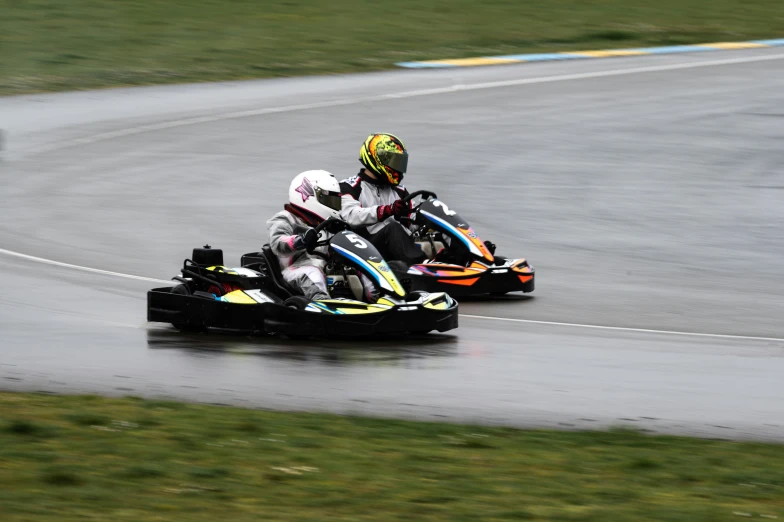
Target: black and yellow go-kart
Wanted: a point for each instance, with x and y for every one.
(255, 298)
(466, 265)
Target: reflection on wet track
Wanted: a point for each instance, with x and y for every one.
(393, 351)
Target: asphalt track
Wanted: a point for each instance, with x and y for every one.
(647, 192)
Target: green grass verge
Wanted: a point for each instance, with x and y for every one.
(50, 45)
(78, 458)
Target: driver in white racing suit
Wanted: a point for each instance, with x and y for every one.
(372, 200)
(314, 196)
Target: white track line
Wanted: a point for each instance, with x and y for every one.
(81, 268)
(627, 329)
(401, 95)
(483, 317)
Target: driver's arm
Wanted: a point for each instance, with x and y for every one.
(283, 242)
(355, 214)
(352, 212)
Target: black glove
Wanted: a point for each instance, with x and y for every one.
(309, 239)
(334, 226)
(490, 246)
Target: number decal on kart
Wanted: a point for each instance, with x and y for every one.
(356, 240)
(444, 208)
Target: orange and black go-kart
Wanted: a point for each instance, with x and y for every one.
(464, 264)
(255, 297)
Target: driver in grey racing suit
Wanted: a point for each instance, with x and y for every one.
(314, 196)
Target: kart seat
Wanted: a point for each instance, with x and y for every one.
(275, 274)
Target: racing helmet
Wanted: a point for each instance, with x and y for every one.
(316, 193)
(385, 156)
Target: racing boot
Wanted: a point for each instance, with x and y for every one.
(371, 292)
(400, 269)
(441, 256)
(320, 297)
(499, 260)
(397, 266)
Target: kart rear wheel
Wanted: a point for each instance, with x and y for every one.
(183, 289)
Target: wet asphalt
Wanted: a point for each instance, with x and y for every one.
(646, 200)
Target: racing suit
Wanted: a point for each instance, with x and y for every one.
(363, 200)
(300, 269)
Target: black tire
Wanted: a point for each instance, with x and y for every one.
(184, 289)
(297, 302)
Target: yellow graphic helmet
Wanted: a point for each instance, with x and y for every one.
(385, 156)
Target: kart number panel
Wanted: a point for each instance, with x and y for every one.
(440, 217)
(360, 253)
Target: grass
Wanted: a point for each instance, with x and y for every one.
(48, 45)
(156, 461)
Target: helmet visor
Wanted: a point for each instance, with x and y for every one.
(397, 161)
(328, 199)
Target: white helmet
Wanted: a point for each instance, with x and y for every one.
(316, 193)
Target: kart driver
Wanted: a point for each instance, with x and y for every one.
(314, 196)
(372, 200)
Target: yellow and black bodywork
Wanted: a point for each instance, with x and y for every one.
(254, 298)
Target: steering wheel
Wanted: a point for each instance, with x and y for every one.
(333, 225)
(426, 194)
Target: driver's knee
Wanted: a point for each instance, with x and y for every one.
(394, 231)
(310, 280)
(402, 245)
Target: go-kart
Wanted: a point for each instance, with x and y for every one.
(464, 264)
(255, 297)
